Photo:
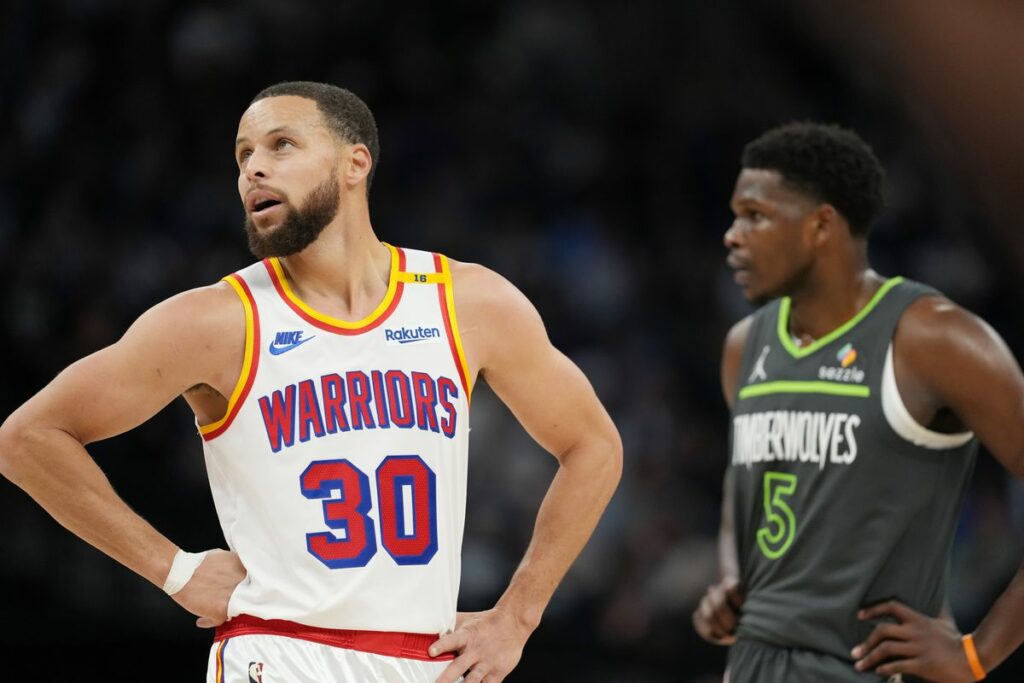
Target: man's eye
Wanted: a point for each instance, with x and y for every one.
(281, 143)
(244, 155)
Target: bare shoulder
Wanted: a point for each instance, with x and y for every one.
(202, 305)
(484, 291)
(202, 329)
(483, 297)
(736, 337)
(945, 351)
(196, 337)
(732, 355)
(949, 359)
(934, 324)
(206, 314)
(494, 317)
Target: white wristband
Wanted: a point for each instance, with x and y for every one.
(182, 569)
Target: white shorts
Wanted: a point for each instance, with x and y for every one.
(247, 657)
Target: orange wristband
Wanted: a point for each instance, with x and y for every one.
(972, 657)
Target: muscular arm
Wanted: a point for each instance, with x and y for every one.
(717, 615)
(732, 356)
(960, 362)
(950, 363)
(947, 359)
(194, 338)
(728, 562)
(556, 405)
(505, 340)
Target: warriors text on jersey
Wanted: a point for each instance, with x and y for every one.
(841, 499)
(339, 470)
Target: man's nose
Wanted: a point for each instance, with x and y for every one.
(257, 167)
(733, 236)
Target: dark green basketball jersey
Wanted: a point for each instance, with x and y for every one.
(841, 499)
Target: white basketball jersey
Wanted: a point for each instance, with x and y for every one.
(339, 470)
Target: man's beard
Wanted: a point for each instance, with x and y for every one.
(300, 227)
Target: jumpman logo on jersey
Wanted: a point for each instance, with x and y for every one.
(759, 372)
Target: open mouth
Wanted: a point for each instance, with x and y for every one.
(263, 205)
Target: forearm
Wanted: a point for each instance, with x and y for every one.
(1002, 630)
(728, 562)
(54, 469)
(574, 502)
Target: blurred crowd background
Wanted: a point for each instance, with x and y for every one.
(586, 151)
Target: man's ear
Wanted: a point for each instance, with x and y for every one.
(828, 224)
(357, 170)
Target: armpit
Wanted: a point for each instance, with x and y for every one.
(208, 404)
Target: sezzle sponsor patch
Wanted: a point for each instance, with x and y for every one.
(846, 371)
(852, 375)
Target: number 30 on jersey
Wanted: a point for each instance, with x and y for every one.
(407, 493)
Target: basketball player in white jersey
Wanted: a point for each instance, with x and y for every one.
(331, 383)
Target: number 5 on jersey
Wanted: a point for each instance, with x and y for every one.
(407, 493)
(775, 538)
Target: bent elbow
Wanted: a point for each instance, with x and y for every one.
(617, 456)
(17, 441)
(595, 457)
(613, 460)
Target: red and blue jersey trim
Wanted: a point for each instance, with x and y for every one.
(250, 360)
(219, 671)
(446, 297)
(328, 323)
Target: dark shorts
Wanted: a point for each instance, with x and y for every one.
(751, 661)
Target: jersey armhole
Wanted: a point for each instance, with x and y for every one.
(904, 424)
(250, 360)
(446, 299)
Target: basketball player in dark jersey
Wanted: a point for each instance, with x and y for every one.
(857, 404)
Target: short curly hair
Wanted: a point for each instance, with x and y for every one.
(827, 162)
(346, 115)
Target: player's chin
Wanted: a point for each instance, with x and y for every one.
(758, 295)
(268, 218)
(265, 224)
(759, 290)
(749, 285)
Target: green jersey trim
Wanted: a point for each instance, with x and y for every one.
(831, 388)
(798, 352)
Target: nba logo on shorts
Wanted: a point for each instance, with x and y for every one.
(255, 672)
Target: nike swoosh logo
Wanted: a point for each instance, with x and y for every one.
(278, 350)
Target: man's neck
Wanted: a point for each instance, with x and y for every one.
(832, 294)
(345, 272)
